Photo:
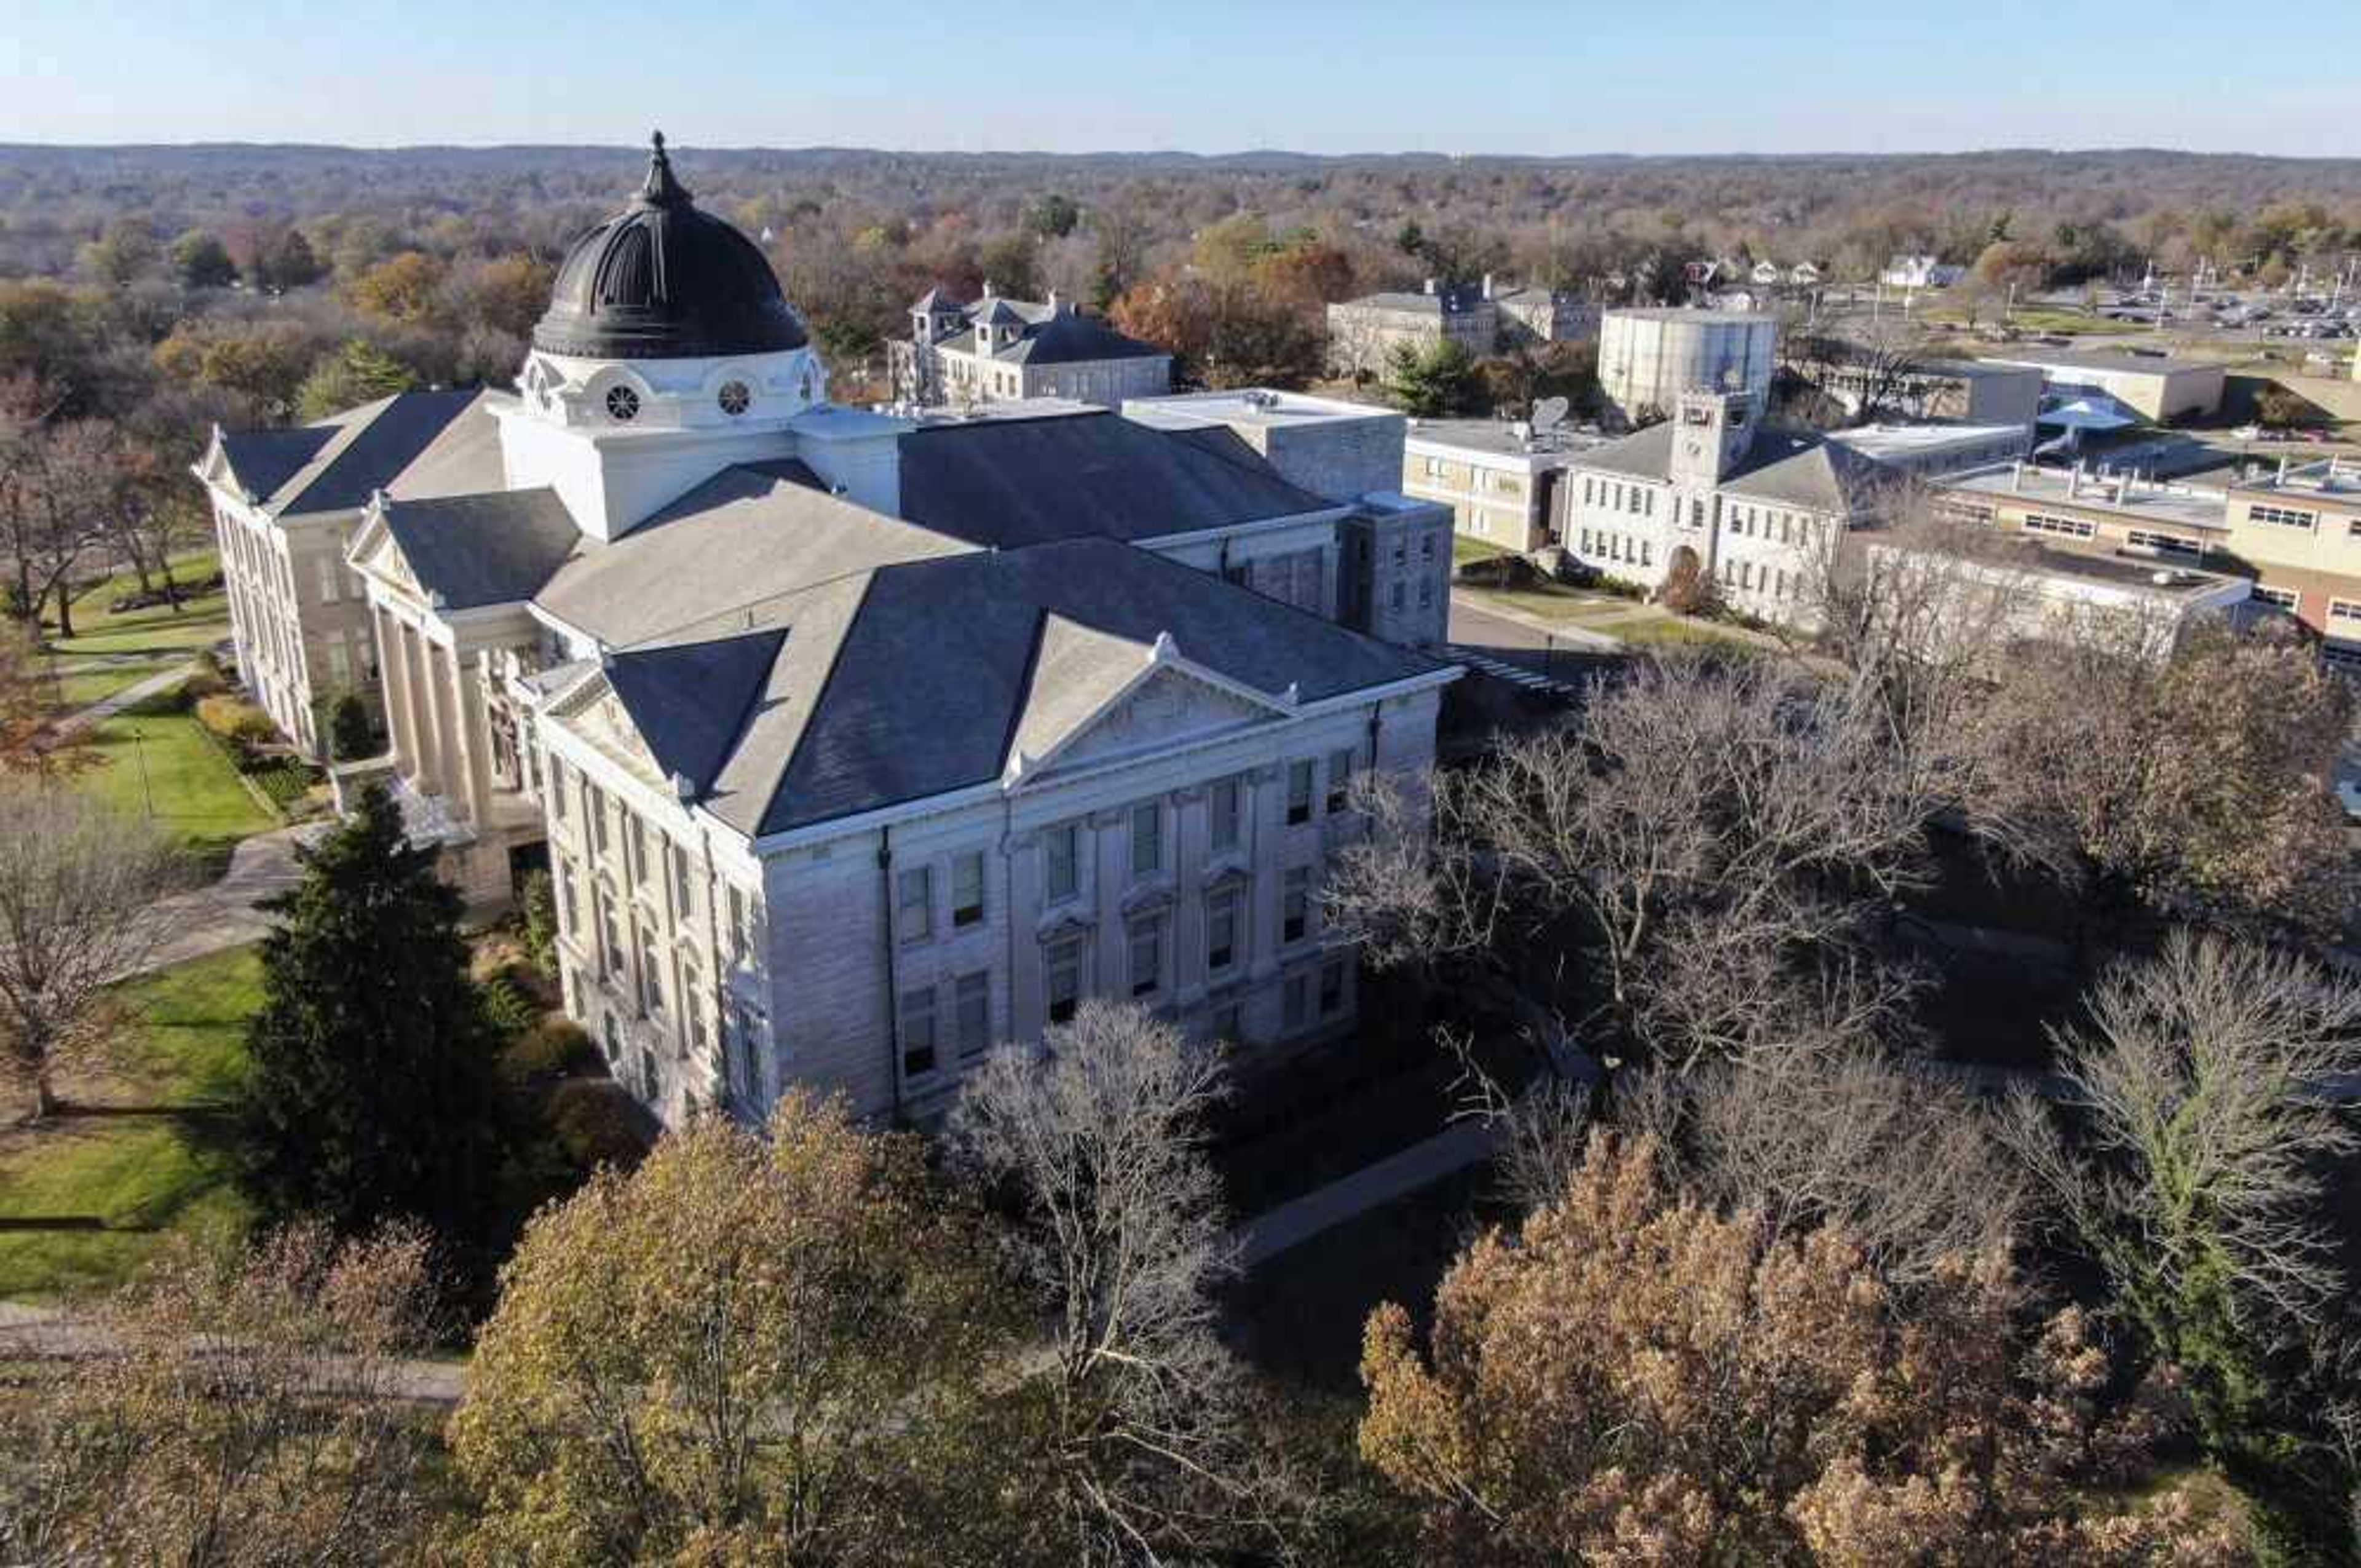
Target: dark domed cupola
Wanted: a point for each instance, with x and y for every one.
(663, 280)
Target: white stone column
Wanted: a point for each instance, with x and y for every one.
(422, 772)
(440, 745)
(475, 726)
(1263, 809)
(1191, 831)
(1111, 861)
(394, 672)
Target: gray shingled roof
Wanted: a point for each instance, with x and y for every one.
(924, 684)
(413, 443)
(745, 536)
(498, 547)
(1070, 338)
(1005, 483)
(1782, 467)
(1458, 301)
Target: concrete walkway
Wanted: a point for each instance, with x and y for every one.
(224, 915)
(1274, 1231)
(137, 692)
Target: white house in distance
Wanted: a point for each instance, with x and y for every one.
(857, 744)
(996, 349)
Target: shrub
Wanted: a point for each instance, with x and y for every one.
(548, 1049)
(203, 683)
(596, 1123)
(235, 720)
(351, 734)
(540, 898)
(507, 1005)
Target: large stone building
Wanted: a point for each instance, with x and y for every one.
(1482, 318)
(1001, 350)
(857, 744)
(1648, 358)
(285, 503)
(1750, 508)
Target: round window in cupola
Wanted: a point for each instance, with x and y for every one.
(735, 397)
(622, 404)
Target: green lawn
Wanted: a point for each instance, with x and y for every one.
(199, 623)
(159, 762)
(1465, 549)
(140, 1154)
(80, 688)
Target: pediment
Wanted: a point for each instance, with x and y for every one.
(377, 553)
(1168, 704)
(597, 716)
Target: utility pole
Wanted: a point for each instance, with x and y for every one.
(146, 790)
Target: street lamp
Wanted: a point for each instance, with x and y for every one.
(147, 790)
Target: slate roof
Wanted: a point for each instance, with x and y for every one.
(1457, 301)
(1049, 334)
(750, 535)
(498, 547)
(410, 444)
(1008, 483)
(918, 679)
(1782, 467)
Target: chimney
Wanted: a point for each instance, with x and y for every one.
(1430, 285)
(1487, 285)
(987, 288)
(2017, 476)
(1053, 304)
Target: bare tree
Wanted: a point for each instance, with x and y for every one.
(82, 903)
(236, 1409)
(1701, 817)
(1099, 1137)
(1832, 1130)
(58, 482)
(2211, 1086)
(1873, 371)
(2207, 1103)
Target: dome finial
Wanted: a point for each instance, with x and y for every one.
(661, 188)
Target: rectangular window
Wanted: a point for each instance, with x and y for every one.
(1146, 957)
(557, 783)
(594, 805)
(2345, 611)
(684, 880)
(1063, 964)
(1146, 840)
(2278, 598)
(635, 849)
(1332, 987)
(967, 890)
(2284, 517)
(1221, 930)
(610, 939)
(2163, 544)
(914, 914)
(2063, 527)
(652, 996)
(1295, 904)
(1298, 792)
(918, 1031)
(1060, 849)
(971, 1009)
(1221, 814)
(1340, 780)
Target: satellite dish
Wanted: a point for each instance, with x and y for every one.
(1550, 412)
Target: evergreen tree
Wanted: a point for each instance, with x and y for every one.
(370, 1096)
(201, 262)
(358, 373)
(1427, 382)
(352, 735)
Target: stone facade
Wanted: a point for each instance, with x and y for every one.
(299, 617)
(1000, 350)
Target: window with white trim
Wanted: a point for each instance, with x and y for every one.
(1223, 812)
(2278, 598)
(1295, 904)
(2283, 516)
(1298, 793)
(1147, 956)
(2063, 527)
(967, 890)
(1061, 861)
(917, 1010)
(1062, 968)
(1222, 929)
(971, 1013)
(1146, 840)
(914, 903)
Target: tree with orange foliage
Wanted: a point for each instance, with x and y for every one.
(1637, 1379)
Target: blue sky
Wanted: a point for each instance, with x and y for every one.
(1203, 75)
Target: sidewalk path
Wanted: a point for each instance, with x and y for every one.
(1274, 1231)
(223, 915)
(138, 691)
